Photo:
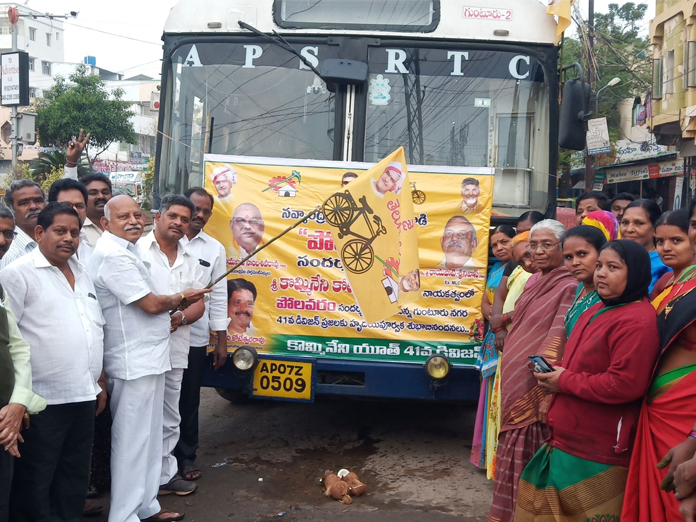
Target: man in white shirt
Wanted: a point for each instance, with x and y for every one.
(98, 186)
(16, 395)
(136, 356)
(58, 314)
(173, 270)
(26, 199)
(210, 255)
(73, 194)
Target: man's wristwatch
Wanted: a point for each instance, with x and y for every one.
(183, 317)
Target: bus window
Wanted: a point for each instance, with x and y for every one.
(254, 98)
(468, 108)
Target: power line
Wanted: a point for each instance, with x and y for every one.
(114, 34)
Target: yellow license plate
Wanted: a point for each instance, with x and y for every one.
(283, 380)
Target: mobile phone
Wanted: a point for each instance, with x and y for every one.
(541, 365)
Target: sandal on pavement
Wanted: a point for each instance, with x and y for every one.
(164, 516)
(190, 472)
(92, 509)
(178, 486)
(92, 492)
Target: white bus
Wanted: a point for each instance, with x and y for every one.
(456, 82)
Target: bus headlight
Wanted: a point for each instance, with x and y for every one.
(245, 358)
(437, 366)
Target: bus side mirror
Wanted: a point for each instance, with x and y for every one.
(572, 129)
(343, 72)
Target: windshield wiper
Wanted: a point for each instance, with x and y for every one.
(281, 42)
(335, 71)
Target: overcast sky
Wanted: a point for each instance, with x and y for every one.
(144, 20)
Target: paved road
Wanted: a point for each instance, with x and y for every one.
(264, 461)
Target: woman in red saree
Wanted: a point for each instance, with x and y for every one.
(537, 329)
(669, 410)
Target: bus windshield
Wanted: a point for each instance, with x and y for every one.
(446, 106)
(243, 99)
(464, 108)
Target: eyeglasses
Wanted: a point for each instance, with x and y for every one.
(9, 235)
(254, 222)
(77, 206)
(546, 246)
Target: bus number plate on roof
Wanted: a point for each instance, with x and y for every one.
(278, 379)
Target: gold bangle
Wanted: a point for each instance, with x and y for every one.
(183, 297)
(26, 415)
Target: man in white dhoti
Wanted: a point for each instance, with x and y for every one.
(136, 356)
(173, 270)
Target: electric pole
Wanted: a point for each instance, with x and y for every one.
(589, 160)
(13, 119)
(15, 33)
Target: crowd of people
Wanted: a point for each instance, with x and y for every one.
(104, 331)
(587, 409)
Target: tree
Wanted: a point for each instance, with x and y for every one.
(83, 101)
(619, 51)
(148, 182)
(55, 159)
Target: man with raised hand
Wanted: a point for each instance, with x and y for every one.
(26, 199)
(210, 255)
(99, 190)
(173, 270)
(136, 356)
(58, 314)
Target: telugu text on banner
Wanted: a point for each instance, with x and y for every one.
(295, 298)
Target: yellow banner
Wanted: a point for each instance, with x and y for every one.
(374, 228)
(297, 297)
(561, 9)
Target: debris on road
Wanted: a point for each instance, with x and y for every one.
(343, 486)
(219, 464)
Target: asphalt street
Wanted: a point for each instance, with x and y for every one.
(265, 461)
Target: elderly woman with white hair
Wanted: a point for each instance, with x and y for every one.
(537, 329)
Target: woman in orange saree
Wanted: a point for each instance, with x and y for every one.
(669, 410)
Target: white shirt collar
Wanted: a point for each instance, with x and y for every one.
(150, 241)
(40, 261)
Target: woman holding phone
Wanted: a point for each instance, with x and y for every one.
(580, 473)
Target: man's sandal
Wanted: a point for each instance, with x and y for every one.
(164, 516)
(191, 472)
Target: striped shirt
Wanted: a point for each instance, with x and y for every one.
(21, 245)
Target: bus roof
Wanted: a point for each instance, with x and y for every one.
(459, 19)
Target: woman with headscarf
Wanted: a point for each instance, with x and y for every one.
(581, 247)
(487, 362)
(580, 473)
(668, 417)
(537, 328)
(604, 221)
(675, 250)
(638, 224)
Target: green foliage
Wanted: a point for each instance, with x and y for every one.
(148, 182)
(619, 51)
(55, 159)
(50, 178)
(83, 101)
(22, 171)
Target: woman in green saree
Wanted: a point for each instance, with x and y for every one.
(581, 246)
